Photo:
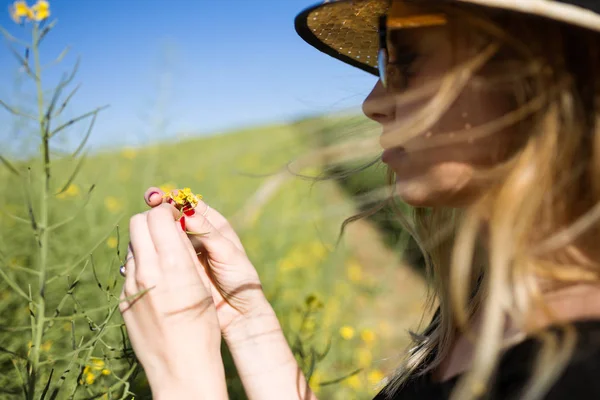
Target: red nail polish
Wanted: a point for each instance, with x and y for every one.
(151, 194)
(182, 222)
(189, 213)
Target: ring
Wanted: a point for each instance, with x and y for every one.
(206, 211)
(122, 268)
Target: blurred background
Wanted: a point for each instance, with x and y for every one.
(221, 97)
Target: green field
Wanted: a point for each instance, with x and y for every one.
(362, 309)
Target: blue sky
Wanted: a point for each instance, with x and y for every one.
(179, 67)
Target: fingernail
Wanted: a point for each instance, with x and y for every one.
(152, 194)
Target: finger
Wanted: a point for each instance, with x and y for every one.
(219, 222)
(145, 272)
(175, 262)
(205, 237)
(154, 196)
(194, 256)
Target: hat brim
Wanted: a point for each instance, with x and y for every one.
(347, 29)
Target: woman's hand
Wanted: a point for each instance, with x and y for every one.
(169, 312)
(213, 236)
(263, 358)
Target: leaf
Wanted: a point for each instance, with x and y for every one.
(60, 58)
(11, 38)
(73, 175)
(8, 165)
(14, 111)
(45, 391)
(46, 30)
(74, 120)
(12, 353)
(23, 61)
(86, 137)
(14, 285)
(66, 101)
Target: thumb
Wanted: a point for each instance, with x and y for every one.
(154, 196)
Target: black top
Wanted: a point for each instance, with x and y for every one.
(579, 380)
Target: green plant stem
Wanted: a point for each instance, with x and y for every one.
(43, 221)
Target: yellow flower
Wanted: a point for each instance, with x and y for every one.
(20, 10)
(347, 332)
(184, 198)
(315, 381)
(97, 364)
(112, 204)
(47, 345)
(90, 378)
(71, 191)
(41, 10)
(112, 242)
(167, 187)
(354, 271)
(368, 336)
(354, 382)
(106, 371)
(129, 153)
(375, 377)
(364, 357)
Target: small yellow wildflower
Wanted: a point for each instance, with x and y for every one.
(106, 371)
(368, 336)
(129, 153)
(47, 345)
(97, 364)
(71, 191)
(347, 332)
(364, 356)
(286, 264)
(90, 378)
(167, 187)
(20, 10)
(184, 197)
(112, 242)
(318, 250)
(41, 10)
(354, 382)
(112, 204)
(375, 377)
(354, 271)
(315, 381)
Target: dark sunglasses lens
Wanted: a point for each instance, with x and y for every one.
(382, 61)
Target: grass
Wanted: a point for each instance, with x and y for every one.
(320, 292)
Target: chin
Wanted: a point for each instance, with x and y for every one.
(418, 196)
(440, 187)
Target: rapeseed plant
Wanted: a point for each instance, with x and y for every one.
(47, 363)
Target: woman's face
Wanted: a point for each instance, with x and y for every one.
(440, 175)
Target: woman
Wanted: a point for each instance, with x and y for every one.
(491, 126)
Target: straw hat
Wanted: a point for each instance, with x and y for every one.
(347, 29)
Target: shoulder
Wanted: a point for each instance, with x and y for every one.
(579, 379)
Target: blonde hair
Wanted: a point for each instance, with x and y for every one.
(539, 212)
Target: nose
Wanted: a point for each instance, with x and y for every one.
(378, 106)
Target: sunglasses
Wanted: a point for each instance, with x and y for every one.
(394, 75)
